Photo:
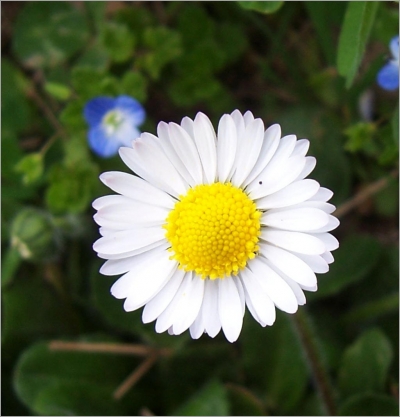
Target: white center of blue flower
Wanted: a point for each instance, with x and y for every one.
(112, 121)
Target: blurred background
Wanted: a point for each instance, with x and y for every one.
(310, 66)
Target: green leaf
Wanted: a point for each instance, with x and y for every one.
(346, 270)
(360, 137)
(365, 364)
(282, 374)
(10, 263)
(134, 85)
(163, 46)
(244, 402)
(373, 309)
(71, 189)
(47, 34)
(395, 125)
(354, 35)
(31, 167)
(70, 383)
(15, 109)
(262, 6)
(370, 405)
(118, 41)
(23, 323)
(72, 117)
(212, 400)
(57, 90)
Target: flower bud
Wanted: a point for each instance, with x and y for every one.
(34, 235)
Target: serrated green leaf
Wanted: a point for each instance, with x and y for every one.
(354, 35)
(370, 405)
(31, 167)
(365, 364)
(347, 270)
(212, 400)
(262, 6)
(47, 34)
(118, 41)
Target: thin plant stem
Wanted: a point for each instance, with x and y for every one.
(119, 348)
(319, 373)
(135, 376)
(365, 194)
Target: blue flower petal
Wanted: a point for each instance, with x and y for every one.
(132, 107)
(102, 144)
(96, 108)
(388, 76)
(394, 47)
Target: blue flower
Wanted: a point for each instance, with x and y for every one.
(113, 123)
(388, 76)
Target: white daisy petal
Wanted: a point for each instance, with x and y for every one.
(167, 318)
(138, 251)
(252, 142)
(109, 200)
(154, 273)
(291, 265)
(330, 242)
(161, 301)
(150, 163)
(205, 139)
(229, 309)
(268, 149)
(128, 216)
(242, 295)
(128, 240)
(297, 192)
(316, 262)
(323, 194)
(169, 150)
(189, 306)
(120, 266)
(262, 307)
(226, 147)
(294, 241)
(301, 147)
(332, 224)
(297, 219)
(248, 117)
(186, 150)
(275, 177)
(309, 165)
(137, 189)
(295, 287)
(276, 288)
(210, 316)
(328, 257)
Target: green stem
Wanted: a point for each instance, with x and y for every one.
(320, 375)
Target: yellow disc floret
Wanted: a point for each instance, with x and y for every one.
(213, 230)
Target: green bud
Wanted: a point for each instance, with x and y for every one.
(35, 236)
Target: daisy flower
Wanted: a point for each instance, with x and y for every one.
(113, 123)
(388, 76)
(214, 222)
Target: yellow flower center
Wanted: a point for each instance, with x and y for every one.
(213, 230)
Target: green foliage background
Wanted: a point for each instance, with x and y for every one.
(311, 67)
